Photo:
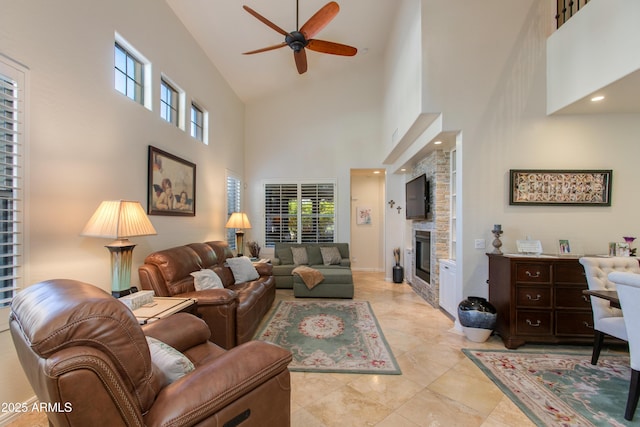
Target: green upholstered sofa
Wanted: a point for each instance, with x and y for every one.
(338, 281)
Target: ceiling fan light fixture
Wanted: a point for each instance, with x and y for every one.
(302, 38)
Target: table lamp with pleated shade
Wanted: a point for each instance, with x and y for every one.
(119, 220)
(239, 221)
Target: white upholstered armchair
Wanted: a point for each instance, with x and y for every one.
(607, 320)
(628, 287)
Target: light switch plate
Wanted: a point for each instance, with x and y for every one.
(479, 244)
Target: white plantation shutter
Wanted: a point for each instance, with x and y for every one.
(299, 213)
(12, 126)
(233, 205)
(317, 213)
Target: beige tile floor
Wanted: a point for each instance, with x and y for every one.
(439, 386)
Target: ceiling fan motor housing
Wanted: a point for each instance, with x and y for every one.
(296, 41)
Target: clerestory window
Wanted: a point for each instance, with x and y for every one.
(129, 74)
(169, 102)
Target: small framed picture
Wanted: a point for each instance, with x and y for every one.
(623, 249)
(564, 247)
(363, 215)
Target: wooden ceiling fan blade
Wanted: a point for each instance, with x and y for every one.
(331, 48)
(300, 57)
(266, 21)
(320, 20)
(265, 49)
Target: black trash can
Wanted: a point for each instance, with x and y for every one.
(398, 274)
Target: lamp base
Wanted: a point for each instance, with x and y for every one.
(118, 294)
(121, 259)
(239, 242)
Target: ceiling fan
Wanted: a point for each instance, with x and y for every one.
(303, 38)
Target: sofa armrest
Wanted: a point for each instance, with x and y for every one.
(212, 386)
(151, 279)
(211, 297)
(217, 307)
(263, 268)
(181, 331)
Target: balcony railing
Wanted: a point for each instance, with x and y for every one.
(568, 8)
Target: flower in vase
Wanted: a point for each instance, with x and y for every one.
(629, 240)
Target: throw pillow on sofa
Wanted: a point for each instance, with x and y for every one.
(300, 256)
(206, 279)
(170, 361)
(242, 269)
(330, 255)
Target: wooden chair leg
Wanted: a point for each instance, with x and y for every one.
(598, 339)
(634, 394)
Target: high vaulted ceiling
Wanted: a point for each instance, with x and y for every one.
(225, 30)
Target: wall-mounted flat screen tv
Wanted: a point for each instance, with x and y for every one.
(417, 194)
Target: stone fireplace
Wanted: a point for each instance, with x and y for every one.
(430, 238)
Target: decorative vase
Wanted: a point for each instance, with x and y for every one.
(477, 317)
(398, 274)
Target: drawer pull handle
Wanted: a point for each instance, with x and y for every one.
(528, 273)
(585, 298)
(537, 324)
(537, 298)
(588, 325)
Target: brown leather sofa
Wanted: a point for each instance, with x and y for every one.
(87, 358)
(233, 313)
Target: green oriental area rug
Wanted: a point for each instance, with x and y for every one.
(561, 388)
(330, 336)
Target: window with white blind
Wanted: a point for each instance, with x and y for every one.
(299, 212)
(12, 125)
(233, 205)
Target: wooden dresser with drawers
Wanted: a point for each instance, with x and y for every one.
(539, 300)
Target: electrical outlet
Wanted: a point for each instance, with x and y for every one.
(479, 244)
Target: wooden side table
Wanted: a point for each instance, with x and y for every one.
(164, 307)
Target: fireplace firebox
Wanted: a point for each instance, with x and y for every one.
(423, 255)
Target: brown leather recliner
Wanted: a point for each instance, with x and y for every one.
(233, 313)
(87, 357)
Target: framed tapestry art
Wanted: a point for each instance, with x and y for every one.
(560, 187)
(171, 185)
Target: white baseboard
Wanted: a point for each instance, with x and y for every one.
(8, 417)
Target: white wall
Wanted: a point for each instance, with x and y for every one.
(580, 57)
(88, 142)
(313, 132)
(403, 73)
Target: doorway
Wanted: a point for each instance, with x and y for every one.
(367, 219)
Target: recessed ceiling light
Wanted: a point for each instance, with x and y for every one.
(403, 170)
(376, 172)
(597, 98)
(437, 142)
